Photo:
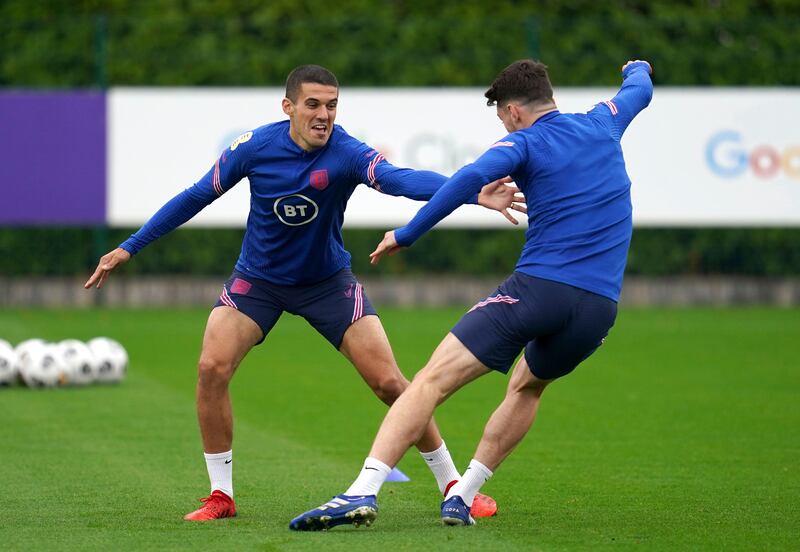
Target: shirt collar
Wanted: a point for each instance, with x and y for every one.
(547, 117)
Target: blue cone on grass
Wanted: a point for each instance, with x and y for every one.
(397, 476)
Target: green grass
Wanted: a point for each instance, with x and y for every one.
(682, 432)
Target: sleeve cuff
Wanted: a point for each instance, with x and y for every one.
(127, 246)
(402, 237)
(639, 64)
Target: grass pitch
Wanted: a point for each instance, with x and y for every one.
(681, 432)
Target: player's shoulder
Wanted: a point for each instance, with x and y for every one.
(344, 143)
(271, 131)
(515, 142)
(603, 108)
(253, 140)
(512, 146)
(340, 137)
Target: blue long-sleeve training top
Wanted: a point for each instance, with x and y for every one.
(571, 169)
(297, 200)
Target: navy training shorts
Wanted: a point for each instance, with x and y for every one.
(330, 306)
(558, 325)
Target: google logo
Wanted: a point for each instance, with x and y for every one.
(728, 157)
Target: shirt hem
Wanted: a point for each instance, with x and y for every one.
(570, 282)
(288, 281)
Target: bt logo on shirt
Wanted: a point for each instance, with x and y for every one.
(295, 210)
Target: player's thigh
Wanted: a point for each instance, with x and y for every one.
(522, 379)
(367, 347)
(497, 328)
(451, 366)
(259, 300)
(339, 309)
(228, 337)
(245, 312)
(556, 355)
(334, 306)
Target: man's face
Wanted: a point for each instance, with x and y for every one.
(311, 116)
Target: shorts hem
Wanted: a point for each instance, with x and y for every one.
(530, 369)
(482, 360)
(341, 339)
(263, 333)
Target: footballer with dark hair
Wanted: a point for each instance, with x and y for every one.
(558, 305)
(302, 172)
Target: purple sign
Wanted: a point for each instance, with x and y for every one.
(52, 158)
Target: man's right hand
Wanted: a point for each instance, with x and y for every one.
(108, 262)
(631, 62)
(388, 245)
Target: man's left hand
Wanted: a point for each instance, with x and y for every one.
(388, 245)
(499, 196)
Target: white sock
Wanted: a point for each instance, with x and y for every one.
(468, 486)
(441, 464)
(369, 481)
(220, 471)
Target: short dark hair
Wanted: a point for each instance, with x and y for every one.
(524, 80)
(308, 73)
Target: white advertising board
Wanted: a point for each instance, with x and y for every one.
(696, 157)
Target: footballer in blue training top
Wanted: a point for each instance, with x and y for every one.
(579, 228)
(301, 173)
(298, 199)
(558, 305)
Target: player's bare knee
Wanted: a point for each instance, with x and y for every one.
(214, 371)
(529, 391)
(523, 381)
(389, 389)
(432, 380)
(532, 386)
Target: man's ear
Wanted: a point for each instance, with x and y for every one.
(287, 106)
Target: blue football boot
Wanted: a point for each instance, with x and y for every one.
(341, 510)
(455, 512)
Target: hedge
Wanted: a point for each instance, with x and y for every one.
(74, 251)
(99, 43)
(85, 43)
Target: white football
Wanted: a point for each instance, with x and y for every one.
(28, 343)
(8, 363)
(79, 362)
(40, 365)
(111, 359)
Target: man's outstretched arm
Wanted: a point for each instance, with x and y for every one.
(372, 168)
(423, 185)
(175, 212)
(226, 172)
(486, 173)
(633, 96)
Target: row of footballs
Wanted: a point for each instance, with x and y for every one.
(38, 363)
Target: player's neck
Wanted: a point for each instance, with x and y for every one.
(299, 142)
(537, 113)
